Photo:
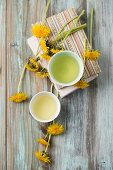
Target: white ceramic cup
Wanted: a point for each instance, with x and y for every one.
(54, 98)
(71, 54)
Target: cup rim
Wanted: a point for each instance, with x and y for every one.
(58, 106)
(80, 62)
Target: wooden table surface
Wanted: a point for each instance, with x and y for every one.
(86, 115)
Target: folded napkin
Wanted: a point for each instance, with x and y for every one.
(74, 42)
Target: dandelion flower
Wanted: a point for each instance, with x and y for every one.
(43, 45)
(32, 65)
(42, 74)
(42, 156)
(40, 30)
(81, 84)
(55, 129)
(42, 141)
(54, 51)
(18, 97)
(46, 57)
(91, 54)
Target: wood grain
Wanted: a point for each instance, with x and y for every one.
(103, 40)
(3, 82)
(22, 130)
(87, 115)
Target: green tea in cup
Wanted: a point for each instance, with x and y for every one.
(66, 68)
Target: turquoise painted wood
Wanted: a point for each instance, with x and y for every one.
(87, 115)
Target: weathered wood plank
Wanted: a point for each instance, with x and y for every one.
(102, 147)
(3, 82)
(22, 129)
(69, 150)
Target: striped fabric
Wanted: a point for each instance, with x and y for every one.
(74, 42)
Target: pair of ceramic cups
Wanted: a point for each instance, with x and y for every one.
(80, 73)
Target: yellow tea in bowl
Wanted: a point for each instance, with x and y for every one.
(44, 107)
(66, 68)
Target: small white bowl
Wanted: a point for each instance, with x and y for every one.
(77, 58)
(54, 98)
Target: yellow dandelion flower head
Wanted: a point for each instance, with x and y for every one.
(91, 54)
(55, 129)
(40, 30)
(54, 51)
(32, 65)
(81, 84)
(46, 57)
(42, 74)
(42, 141)
(42, 156)
(43, 45)
(18, 97)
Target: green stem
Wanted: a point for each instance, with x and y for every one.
(57, 93)
(91, 25)
(85, 47)
(82, 13)
(75, 18)
(62, 35)
(47, 143)
(51, 88)
(66, 37)
(45, 11)
(45, 136)
(66, 25)
(42, 69)
(21, 78)
(85, 44)
(22, 75)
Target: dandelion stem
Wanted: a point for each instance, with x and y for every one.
(45, 11)
(48, 143)
(21, 77)
(43, 69)
(62, 35)
(85, 47)
(79, 16)
(51, 88)
(91, 25)
(46, 136)
(57, 93)
(85, 44)
(75, 18)
(66, 25)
